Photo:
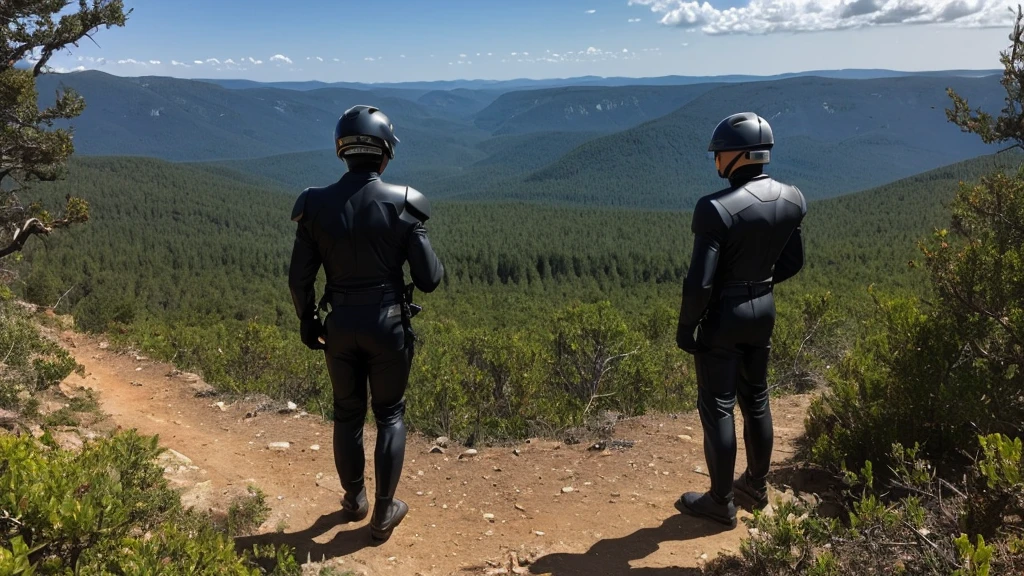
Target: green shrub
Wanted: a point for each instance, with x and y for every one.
(106, 509)
(28, 361)
(917, 524)
(247, 512)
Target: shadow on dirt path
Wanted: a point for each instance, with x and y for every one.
(344, 543)
(612, 556)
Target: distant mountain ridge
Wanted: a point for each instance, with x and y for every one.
(636, 146)
(530, 83)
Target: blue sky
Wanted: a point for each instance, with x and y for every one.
(404, 40)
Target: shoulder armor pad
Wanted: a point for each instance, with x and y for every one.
(793, 195)
(300, 206)
(417, 204)
(709, 216)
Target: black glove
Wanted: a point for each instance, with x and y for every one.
(311, 331)
(685, 340)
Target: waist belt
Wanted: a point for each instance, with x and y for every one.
(750, 289)
(364, 296)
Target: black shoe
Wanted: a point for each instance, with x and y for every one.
(387, 514)
(355, 509)
(749, 489)
(707, 506)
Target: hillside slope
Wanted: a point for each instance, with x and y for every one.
(832, 137)
(584, 109)
(175, 119)
(174, 241)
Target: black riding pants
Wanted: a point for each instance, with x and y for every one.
(732, 363)
(369, 343)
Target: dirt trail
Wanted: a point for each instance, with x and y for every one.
(617, 519)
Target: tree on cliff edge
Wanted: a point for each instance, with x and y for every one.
(31, 32)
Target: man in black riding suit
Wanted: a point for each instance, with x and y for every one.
(746, 240)
(362, 231)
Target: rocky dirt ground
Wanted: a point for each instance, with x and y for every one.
(537, 507)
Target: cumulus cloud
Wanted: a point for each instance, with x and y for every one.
(319, 59)
(229, 62)
(281, 58)
(253, 60)
(337, 60)
(197, 62)
(90, 59)
(631, 20)
(591, 11)
(176, 63)
(131, 61)
(769, 16)
(213, 61)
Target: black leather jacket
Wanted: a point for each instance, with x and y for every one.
(747, 233)
(362, 230)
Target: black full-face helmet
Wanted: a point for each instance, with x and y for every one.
(364, 130)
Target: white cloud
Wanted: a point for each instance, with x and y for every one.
(337, 60)
(91, 59)
(229, 62)
(212, 61)
(154, 62)
(591, 11)
(631, 20)
(515, 53)
(131, 61)
(769, 16)
(280, 58)
(625, 50)
(176, 63)
(197, 62)
(686, 43)
(370, 59)
(252, 60)
(526, 53)
(401, 55)
(462, 55)
(319, 59)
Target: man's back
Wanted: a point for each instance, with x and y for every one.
(363, 230)
(753, 224)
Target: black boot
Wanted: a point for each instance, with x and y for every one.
(708, 506)
(756, 492)
(354, 509)
(387, 514)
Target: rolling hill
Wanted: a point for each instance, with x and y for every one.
(584, 109)
(184, 120)
(833, 137)
(636, 146)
